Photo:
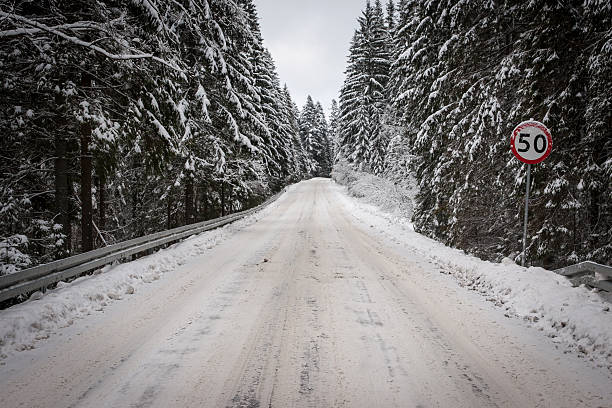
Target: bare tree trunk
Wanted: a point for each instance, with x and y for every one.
(86, 171)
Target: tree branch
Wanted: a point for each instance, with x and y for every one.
(52, 30)
(80, 25)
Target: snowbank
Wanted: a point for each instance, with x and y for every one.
(22, 325)
(573, 317)
(396, 198)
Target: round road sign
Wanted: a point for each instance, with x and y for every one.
(531, 142)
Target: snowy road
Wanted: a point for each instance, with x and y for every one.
(304, 308)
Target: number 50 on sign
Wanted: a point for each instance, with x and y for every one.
(531, 142)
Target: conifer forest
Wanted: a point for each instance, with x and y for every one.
(435, 88)
(123, 118)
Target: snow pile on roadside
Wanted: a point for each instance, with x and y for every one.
(396, 198)
(573, 317)
(22, 325)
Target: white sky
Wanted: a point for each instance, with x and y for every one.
(309, 41)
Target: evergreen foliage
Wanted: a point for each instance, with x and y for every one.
(334, 129)
(462, 75)
(121, 119)
(362, 97)
(315, 138)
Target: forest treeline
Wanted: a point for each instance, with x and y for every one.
(119, 119)
(434, 88)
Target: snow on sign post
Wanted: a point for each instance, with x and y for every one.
(531, 143)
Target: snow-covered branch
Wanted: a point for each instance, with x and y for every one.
(79, 25)
(78, 41)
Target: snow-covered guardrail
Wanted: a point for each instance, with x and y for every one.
(590, 267)
(41, 276)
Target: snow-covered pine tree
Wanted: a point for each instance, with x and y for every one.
(245, 124)
(334, 129)
(352, 124)
(281, 123)
(464, 74)
(390, 18)
(309, 136)
(315, 138)
(594, 186)
(323, 156)
(161, 96)
(66, 90)
(300, 161)
(274, 151)
(570, 188)
(362, 97)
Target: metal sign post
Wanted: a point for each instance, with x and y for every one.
(531, 143)
(526, 212)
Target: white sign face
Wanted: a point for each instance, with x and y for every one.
(531, 142)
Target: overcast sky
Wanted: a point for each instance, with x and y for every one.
(309, 41)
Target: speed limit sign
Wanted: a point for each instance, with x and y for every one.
(531, 142)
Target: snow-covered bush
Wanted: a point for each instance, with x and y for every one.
(12, 258)
(396, 197)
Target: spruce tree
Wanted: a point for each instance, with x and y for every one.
(323, 155)
(125, 119)
(300, 161)
(460, 83)
(362, 97)
(334, 129)
(308, 134)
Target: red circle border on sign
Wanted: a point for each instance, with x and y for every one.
(540, 126)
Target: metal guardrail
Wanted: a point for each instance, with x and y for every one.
(31, 279)
(589, 267)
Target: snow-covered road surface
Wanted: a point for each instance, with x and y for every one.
(304, 308)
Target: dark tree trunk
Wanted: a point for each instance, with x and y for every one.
(62, 192)
(205, 208)
(594, 210)
(169, 214)
(102, 201)
(222, 199)
(189, 215)
(61, 189)
(86, 171)
(62, 180)
(136, 211)
(197, 206)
